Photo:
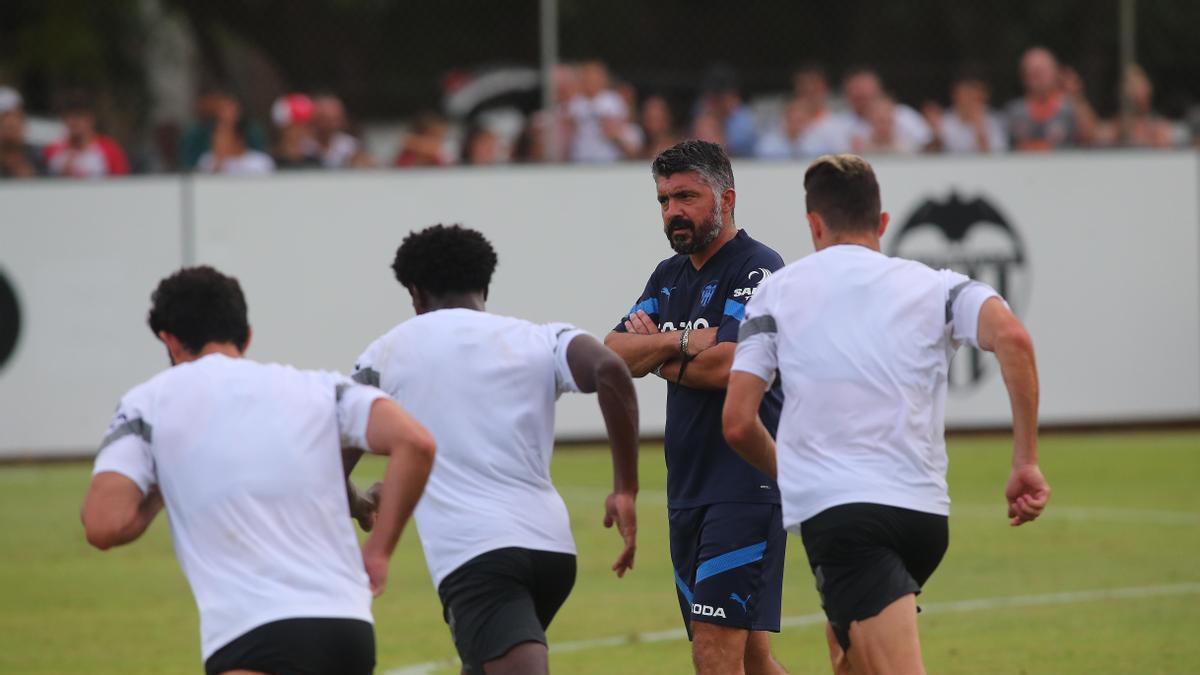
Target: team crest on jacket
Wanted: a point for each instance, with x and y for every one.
(707, 292)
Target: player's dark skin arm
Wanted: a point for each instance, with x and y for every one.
(599, 369)
(115, 511)
(363, 504)
(744, 430)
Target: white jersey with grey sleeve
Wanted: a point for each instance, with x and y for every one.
(485, 386)
(862, 343)
(248, 459)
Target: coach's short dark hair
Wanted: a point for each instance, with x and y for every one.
(199, 305)
(844, 191)
(445, 259)
(707, 159)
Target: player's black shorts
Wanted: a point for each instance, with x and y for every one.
(503, 598)
(728, 561)
(867, 556)
(300, 647)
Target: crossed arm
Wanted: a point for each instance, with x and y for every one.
(645, 348)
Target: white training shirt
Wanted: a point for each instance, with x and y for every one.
(862, 343)
(248, 458)
(485, 386)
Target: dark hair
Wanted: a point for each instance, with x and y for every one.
(199, 305)
(843, 190)
(445, 259)
(706, 159)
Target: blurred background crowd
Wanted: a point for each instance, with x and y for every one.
(213, 109)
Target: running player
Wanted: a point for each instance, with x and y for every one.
(727, 540)
(863, 344)
(246, 458)
(496, 533)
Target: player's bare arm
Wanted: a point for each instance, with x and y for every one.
(1001, 332)
(744, 430)
(600, 370)
(116, 511)
(410, 449)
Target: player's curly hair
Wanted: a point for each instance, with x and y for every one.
(199, 305)
(445, 259)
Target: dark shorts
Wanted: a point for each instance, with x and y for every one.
(503, 598)
(300, 647)
(728, 561)
(867, 556)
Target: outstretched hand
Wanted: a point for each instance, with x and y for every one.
(1027, 493)
(620, 509)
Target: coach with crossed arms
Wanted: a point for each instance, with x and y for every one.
(863, 343)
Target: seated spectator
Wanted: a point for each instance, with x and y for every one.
(481, 147)
(18, 159)
(602, 131)
(824, 132)
(786, 139)
(883, 131)
(1137, 125)
(969, 126)
(212, 106)
(722, 99)
(84, 152)
(425, 144)
(330, 142)
(658, 126)
(708, 127)
(295, 147)
(231, 153)
(908, 129)
(1054, 112)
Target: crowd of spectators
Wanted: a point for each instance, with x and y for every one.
(598, 119)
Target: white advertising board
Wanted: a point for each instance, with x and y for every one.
(82, 259)
(1098, 253)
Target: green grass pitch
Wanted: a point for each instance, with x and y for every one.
(1107, 582)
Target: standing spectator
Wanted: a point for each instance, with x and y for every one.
(969, 126)
(330, 142)
(212, 107)
(84, 152)
(425, 144)
(295, 148)
(722, 98)
(600, 118)
(231, 154)
(863, 89)
(1054, 113)
(883, 130)
(18, 159)
(658, 126)
(481, 147)
(1137, 125)
(825, 133)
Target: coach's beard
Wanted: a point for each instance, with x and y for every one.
(691, 239)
